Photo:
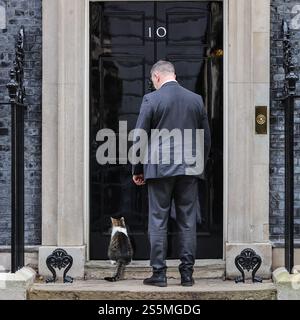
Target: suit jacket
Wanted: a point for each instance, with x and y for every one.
(170, 107)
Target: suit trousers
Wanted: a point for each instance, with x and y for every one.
(184, 190)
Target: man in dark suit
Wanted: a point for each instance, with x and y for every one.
(171, 107)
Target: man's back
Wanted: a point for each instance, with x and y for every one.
(171, 107)
(175, 107)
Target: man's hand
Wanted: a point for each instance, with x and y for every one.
(138, 179)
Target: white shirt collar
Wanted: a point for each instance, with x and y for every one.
(168, 81)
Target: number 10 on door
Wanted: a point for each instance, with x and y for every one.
(161, 32)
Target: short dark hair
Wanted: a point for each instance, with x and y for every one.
(163, 67)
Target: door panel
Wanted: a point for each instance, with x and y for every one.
(123, 28)
(194, 33)
(121, 57)
(126, 38)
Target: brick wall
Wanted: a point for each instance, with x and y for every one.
(282, 9)
(29, 14)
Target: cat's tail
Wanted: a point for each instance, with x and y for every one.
(119, 274)
(110, 279)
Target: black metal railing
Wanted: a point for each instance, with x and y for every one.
(16, 92)
(288, 101)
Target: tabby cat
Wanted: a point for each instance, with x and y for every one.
(120, 249)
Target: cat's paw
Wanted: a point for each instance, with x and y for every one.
(113, 262)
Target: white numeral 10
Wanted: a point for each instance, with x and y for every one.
(161, 32)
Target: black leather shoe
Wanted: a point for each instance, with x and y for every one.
(157, 279)
(187, 280)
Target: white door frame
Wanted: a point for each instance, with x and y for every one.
(65, 112)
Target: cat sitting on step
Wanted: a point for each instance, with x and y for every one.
(120, 248)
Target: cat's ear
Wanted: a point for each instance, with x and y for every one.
(122, 221)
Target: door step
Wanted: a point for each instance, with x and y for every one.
(204, 289)
(137, 270)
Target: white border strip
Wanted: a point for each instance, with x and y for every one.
(225, 124)
(86, 165)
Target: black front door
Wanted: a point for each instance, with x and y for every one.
(126, 39)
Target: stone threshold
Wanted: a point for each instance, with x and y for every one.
(204, 289)
(139, 269)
